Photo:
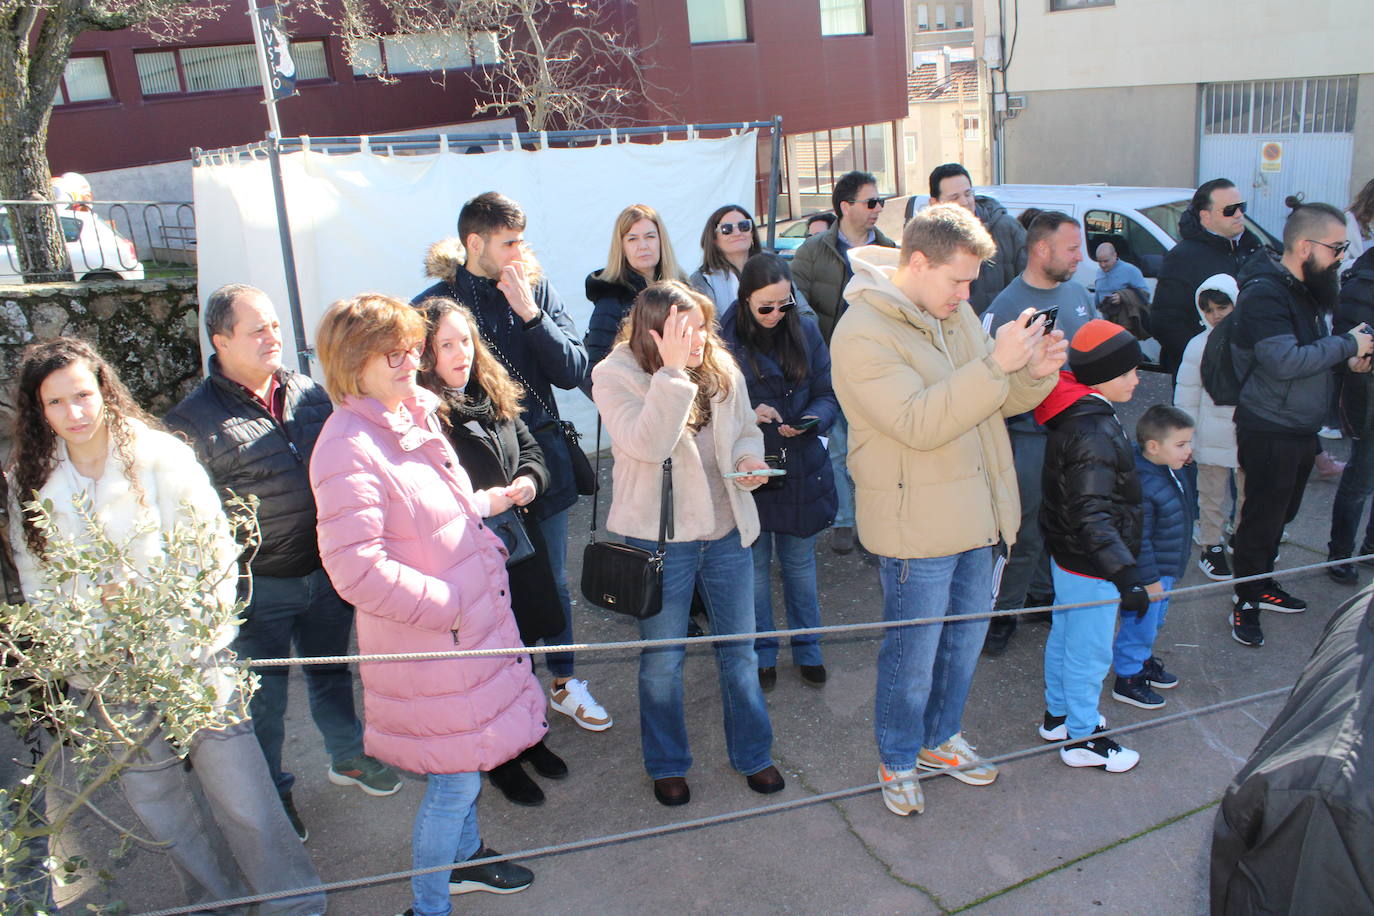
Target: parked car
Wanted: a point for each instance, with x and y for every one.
(786, 242)
(98, 251)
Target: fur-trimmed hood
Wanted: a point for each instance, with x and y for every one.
(445, 256)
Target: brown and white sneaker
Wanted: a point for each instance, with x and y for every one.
(574, 700)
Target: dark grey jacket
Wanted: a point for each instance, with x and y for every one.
(1282, 351)
(1010, 259)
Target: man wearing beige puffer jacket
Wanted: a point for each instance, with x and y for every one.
(926, 391)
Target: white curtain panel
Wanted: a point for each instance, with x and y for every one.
(363, 222)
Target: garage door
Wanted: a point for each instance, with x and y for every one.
(1280, 137)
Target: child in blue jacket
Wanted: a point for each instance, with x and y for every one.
(1164, 444)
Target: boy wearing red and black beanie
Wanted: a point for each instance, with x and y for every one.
(1092, 520)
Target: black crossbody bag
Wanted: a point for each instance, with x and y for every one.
(620, 577)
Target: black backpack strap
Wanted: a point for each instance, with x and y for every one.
(665, 508)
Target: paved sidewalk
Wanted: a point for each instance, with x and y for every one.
(1043, 838)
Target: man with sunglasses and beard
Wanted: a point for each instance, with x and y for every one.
(1285, 361)
(820, 272)
(1212, 240)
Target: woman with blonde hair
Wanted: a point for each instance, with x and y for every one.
(402, 538)
(671, 396)
(640, 254)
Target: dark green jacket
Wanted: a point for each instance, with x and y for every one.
(820, 273)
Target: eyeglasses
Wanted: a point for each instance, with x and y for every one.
(784, 306)
(871, 203)
(1338, 249)
(743, 226)
(396, 357)
(1233, 209)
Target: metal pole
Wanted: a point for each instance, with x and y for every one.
(288, 253)
(773, 181)
(264, 73)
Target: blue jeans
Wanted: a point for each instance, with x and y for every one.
(445, 832)
(838, 447)
(555, 531)
(720, 571)
(1078, 652)
(1135, 639)
(797, 557)
(924, 671)
(220, 820)
(302, 615)
(1352, 498)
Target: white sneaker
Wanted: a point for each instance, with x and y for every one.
(1099, 752)
(954, 754)
(901, 791)
(575, 701)
(1329, 432)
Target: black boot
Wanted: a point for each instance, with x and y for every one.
(516, 785)
(1000, 630)
(545, 762)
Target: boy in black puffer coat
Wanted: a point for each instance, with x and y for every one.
(1164, 444)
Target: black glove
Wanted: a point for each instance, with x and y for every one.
(1134, 599)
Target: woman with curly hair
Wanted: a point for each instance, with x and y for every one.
(81, 438)
(672, 397)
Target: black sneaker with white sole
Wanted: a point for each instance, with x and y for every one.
(1157, 676)
(1135, 691)
(1274, 598)
(1056, 728)
(496, 878)
(1214, 564)
(1245, 625)
(1098, 751)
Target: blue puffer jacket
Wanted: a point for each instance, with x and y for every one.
(806, 502)
(1167, 501)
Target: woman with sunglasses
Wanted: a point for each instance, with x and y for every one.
(670, 391)
(480, 414)
(729, 239)
(786, 367)
(402, 538)
(640, 254)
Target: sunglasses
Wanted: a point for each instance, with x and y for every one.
(871, 203)
(784, 306)
(1338, 249)
(1233, 209)
(743, 226)
(396, 357)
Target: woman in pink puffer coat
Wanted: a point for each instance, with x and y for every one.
(402, 538)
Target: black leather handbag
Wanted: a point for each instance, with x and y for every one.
(510, 528)
(623, 578)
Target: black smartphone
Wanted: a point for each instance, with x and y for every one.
(805, 423)
(1050, 315)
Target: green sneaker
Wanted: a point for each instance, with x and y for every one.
(372, 776)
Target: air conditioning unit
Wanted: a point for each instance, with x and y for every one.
(1016, 102)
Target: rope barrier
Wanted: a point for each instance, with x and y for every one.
(701, 822)
(775, 634)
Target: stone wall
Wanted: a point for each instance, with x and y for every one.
(146, 329)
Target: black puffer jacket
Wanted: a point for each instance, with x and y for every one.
(1356, 307)
(1198, 255)
(610, 304)
(1091, 505)
(247, 451)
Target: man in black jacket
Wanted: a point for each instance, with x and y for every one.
(1285, 361)
(1212, 240)
(522, 320)
(253, 425)
(1356, 307)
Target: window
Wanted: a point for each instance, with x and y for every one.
(972, 129)
(84, 80)
(425, 52)
(910, 148)
(1133, 242)
(1310, 106)
(922, 17)
(1078, 4)
(817, 160)
(959, 20)
(716, 20)
(940, 20)
(218, 68)
(844, 17)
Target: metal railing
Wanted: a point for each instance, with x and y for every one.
(109, 240)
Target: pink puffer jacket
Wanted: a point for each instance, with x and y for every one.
(402, 541)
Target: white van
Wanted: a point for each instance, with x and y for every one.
(97, 249)
(1141, 222)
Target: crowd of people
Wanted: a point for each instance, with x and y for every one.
(944, 403)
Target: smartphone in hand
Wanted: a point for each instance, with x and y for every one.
(1050, 315)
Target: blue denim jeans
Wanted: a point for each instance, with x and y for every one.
(797, 557)
(225, 830)
(555, 531)
(838, 447)
(1078, 651)
(924, 671)
(445, 831)
(29, 881)
(1135, 639)
(300, 615)
(1352, 498)
(721, 571)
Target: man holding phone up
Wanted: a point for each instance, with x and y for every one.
(1054, 249)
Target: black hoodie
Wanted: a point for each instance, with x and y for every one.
(1355, 307)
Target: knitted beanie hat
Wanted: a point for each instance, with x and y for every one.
(1102, 350)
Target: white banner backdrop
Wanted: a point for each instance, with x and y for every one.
(363, 222)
